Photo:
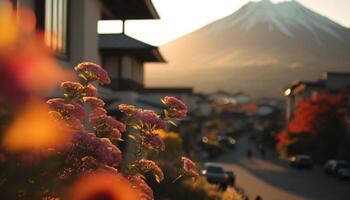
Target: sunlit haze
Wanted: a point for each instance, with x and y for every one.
(179, 17)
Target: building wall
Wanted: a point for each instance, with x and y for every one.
(132, 69)
(111, 64)
(83, 36)
(82, 31)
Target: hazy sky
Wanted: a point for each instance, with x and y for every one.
(179, 17)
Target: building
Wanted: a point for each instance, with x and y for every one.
(124, 57)
(332, 82)
(70, 26)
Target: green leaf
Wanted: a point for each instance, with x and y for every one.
(165, 113)
(157, 178)
(83, 76)
(172, 123)
(136, 126)
(162, 101)
(132, 137)
(142, 176)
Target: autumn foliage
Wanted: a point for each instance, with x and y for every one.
(318, 127)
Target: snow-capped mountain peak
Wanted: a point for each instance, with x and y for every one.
(284, 17)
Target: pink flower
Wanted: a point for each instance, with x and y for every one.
(116, 133)
(71, 86)
(115, 124)
(151, 166)
(152, 119)
(72, 89)
(189, 167)
(145, 192)
(90, 90)
(66, 109)
(102, 149)
(97, 115)
(75, 124)
(157, 142)
(94, 101)
(188, 164)
(176, 108)
(128, 109)
(114, 150)
(78, 111)
(93, 72)
(148, 117)
(57, 104)
(97, 112)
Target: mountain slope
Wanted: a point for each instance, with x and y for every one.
(259, 49)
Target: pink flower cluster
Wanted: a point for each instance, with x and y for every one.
(175, 107)
(93, 72)
(72, 114)
(189, 167)
(151, 166)
(90, 90)
(156, 142)
(102, 149)
(96, 151)
(145, 192)
(148, 117)
(94, 101)
(101, 122)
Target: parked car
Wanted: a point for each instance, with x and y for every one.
(301, 162)
(216, 175)
(231, 178)
(328, 166)
(344, 173)
(333, 166)
(227, 141)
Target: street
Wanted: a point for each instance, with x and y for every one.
(273, 179)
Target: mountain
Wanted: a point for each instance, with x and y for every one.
(259, 49)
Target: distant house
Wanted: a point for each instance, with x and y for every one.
(124, 57)
(333, 82)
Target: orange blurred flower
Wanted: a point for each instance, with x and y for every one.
(34, 129)
(8, 27)
(102, 186)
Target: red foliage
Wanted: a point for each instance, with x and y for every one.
(314, 114)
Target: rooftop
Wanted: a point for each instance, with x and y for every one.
(129, 9)
(123, 44)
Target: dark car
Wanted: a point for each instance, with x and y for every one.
(227, 141)
(231, 178)
(344, 173)
(301, 162)
(216, 175)
(333, 166)
(328, 167)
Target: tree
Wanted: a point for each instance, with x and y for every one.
(318, 127)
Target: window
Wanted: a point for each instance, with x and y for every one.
(55, 26)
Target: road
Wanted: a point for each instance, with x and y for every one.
(273, 179)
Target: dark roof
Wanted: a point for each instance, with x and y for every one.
(326, 74)
(172, 90)
(128, 9)
(296, 84)
(122, 44)
(313, 84)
